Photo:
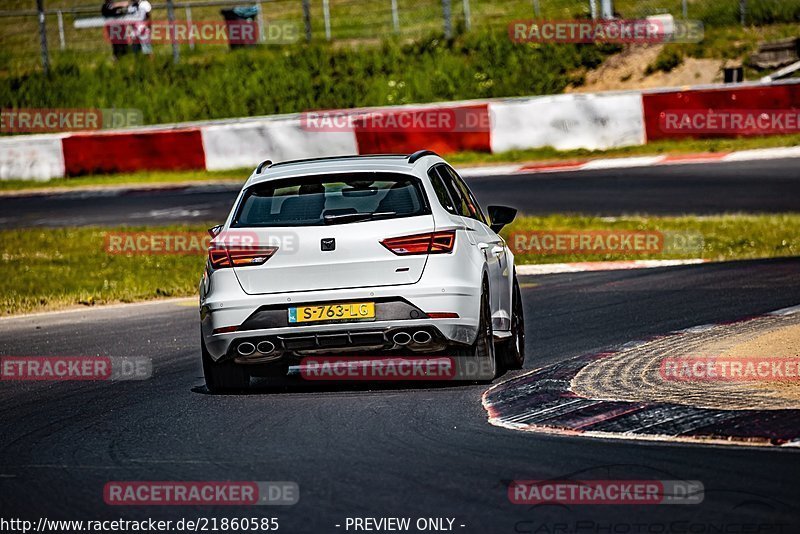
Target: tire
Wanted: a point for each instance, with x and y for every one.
(511, 352)
(478, 361)
(223, 376)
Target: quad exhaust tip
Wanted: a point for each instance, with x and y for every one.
(402, 338)
(265, 347)
(246, 348)
(422, 337)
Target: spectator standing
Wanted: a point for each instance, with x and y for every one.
(140, 9)
(111, 10)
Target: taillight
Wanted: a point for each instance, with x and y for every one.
(221, 256)
(225, 330)
(432, 243)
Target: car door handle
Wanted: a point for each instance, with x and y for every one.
(483, 246)
(497, 249)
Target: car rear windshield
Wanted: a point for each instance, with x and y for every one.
(331, 199)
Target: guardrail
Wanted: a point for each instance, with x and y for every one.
(569, 121)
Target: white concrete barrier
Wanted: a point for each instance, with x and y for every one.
(591, 121)
(571, 121)
(31, 157)
(233, 146)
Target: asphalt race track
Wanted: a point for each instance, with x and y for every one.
(411, 452)
(768, 186)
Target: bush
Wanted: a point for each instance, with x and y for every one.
(757, 12)
(669, 58)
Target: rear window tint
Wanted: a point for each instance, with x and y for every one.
(331, 199)
(457, 195)
(471, 203)
(441, 190)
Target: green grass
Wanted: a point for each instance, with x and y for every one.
(139, 178)
(301, 77)
(56, 268)
(417, 65)
(462, 159)
(362, 20)
(668, 59)
(735, 42)
(725, 237)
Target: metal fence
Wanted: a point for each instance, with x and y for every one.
(43, 35)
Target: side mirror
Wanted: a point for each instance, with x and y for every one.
(500, 216)
(215, 230)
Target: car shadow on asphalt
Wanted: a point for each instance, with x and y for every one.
(288, 385)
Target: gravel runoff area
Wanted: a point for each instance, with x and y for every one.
(641, 373)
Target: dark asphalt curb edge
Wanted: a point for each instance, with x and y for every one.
(232, 184)
(541, 401)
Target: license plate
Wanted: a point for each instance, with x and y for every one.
(353, 311)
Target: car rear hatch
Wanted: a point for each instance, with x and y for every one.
(334, 257)
(335, 232)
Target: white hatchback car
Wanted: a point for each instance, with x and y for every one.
(380, 255)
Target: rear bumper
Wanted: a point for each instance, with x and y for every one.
(261, 316)
(291, 347)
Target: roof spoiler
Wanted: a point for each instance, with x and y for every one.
(263, 165)
(413, 158)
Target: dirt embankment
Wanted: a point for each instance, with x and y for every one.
(627, 70)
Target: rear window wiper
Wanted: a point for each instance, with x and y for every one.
(351, 217)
